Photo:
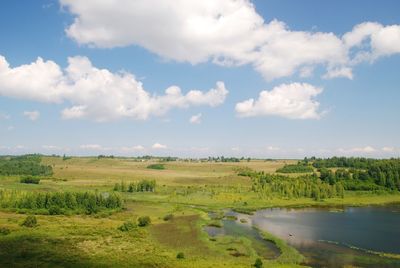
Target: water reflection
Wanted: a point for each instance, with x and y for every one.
(324, 236)
(373, 228)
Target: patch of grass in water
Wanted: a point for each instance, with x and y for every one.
(289, 255)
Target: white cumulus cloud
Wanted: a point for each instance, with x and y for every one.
(293, 101)
(226, 32)
(95, 93)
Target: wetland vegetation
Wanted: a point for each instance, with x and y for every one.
(113, 211)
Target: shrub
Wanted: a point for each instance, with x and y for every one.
(30, 180)
(30, 221)
(144, 221)
(4, 231)
(168, 217)
(258, 263)
(54, 210)
(127, 226)
(180, 255)
(156, 166)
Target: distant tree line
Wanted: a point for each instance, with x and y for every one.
(361, 173)
(105, 156)
(60, 202)
(223, 159)
(24, 165)
(140, 186)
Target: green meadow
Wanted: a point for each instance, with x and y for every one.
(186, 194)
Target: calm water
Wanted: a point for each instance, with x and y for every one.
(325, 237)
(373, 228)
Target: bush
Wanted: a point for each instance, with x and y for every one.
(168, 217)
(258, 263)
(4, 231)
(127, 226)
(30, 221)
(30, 180)
(156, 166)
(180, 255)
(144, 221)
(54, 210)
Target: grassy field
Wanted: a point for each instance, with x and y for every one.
(188, 190)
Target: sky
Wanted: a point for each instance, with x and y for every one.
(188, 78)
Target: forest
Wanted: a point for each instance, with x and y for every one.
(24, 165)
(56, 203)
(360, 173)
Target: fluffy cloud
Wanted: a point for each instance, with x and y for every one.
(294, 101)
(32, 115)
(97, 93)
(373, 40)
(195, 119)
(227, 32)
(158, 146)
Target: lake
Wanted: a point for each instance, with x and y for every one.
(330, 238)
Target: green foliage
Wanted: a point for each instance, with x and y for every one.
(55, 210)
(24, 165)
(297, 168)
(156, 166)
(258, 263)
(4, 231)
(270, 185)
(144, 221)
(55, 203)
(127, 226)
(180, 255)
(361, 174)
(30, 180)
(141, 186)
(30, 221)
(168, 217)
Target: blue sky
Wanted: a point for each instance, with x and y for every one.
(329, 73)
